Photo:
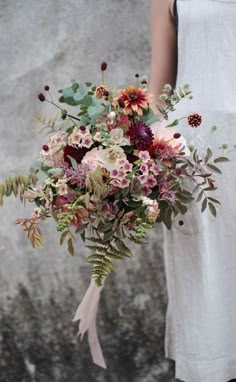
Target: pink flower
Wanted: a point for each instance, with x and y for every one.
(166, 135)
(127, 166)
(114, 173)
(151, 181)
(115, 182)
(121, 161)
(121, 173)
(155, 169)
(144, 155)
(142, 178)
(124, 183)
(147, 191)
(144, 169)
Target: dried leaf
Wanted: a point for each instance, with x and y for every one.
(70, 247)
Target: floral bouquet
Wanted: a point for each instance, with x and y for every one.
(111, 172)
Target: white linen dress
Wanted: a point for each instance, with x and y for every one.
(200, 257)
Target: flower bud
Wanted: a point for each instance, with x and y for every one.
(177, 135)
(112, 115)
(103, 66)
(41, 97)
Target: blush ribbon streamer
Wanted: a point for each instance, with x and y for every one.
(86, 313)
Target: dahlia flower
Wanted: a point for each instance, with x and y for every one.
(140, 135)
(135, 99)
(165, 145)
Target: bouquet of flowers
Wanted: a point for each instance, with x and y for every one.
(110, 173)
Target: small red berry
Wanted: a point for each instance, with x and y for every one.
(137, 75)
(181, 222)
(82, 128)
(177, 135)
(106, 93)
(194, 120)
(103, 66)
(46, 88)
(45, 147)
(41, 97)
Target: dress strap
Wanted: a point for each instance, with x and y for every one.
(176, 13)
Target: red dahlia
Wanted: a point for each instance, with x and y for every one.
(76, 153)
(140, 135)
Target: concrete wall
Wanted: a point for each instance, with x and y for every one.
(51, 42)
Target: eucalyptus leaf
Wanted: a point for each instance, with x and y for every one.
(73, 162)
(67, 92)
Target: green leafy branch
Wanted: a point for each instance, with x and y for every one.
(16, 185)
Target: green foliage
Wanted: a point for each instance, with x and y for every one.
(82, 95)
(170, 97)
(16, 185)
(103, 256)
(95, 182)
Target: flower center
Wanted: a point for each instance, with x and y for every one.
(133, 96)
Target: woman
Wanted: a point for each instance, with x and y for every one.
(194, 41)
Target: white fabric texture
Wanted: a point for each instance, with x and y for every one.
(200, 257)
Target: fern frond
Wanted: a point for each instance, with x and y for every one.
(102, 259)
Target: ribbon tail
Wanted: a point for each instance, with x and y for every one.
(86, 313)
(94, 345)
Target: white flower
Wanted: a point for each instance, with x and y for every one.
(37, 212)
(78, 136)
(53, 155)
(148, 202)
(109, 157)
(97, 137)
(87, 141)
(62, 187)
(117, 135)
(75, 137)
(92, 158)
(57, 139)
(111, 115)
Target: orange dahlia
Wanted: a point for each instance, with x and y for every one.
(135, 99)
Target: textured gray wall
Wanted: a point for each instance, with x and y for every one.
(52, 41)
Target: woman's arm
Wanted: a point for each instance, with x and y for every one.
(164, 47)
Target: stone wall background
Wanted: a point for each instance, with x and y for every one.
(51, 42)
